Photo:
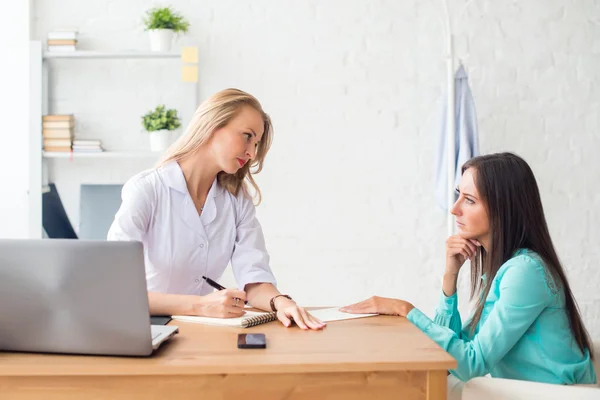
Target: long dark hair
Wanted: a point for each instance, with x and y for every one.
(508, 188)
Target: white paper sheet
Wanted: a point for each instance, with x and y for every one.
(334, 314)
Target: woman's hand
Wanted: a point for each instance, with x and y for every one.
(288, 310)
(227, 303)
(458, 250)
(380, 305)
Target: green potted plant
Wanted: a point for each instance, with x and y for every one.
(160, 123)
(162, 23)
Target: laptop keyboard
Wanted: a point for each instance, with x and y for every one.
(155, 331)
(161, 332)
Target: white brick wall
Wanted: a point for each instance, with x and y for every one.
(355, 89)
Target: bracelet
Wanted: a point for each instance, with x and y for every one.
(273, 300)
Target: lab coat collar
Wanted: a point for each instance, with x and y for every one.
(173, 177)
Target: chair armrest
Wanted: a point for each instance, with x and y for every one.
(502, 389)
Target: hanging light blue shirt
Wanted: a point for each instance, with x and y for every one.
(466, 138)
(523, 332)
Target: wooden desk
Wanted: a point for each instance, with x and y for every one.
(370, 358)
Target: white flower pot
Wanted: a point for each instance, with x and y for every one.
(160, 39)
(160, 140)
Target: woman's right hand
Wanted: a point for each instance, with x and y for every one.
(227, 303)
(458, 250)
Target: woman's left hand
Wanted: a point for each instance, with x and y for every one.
(288, 310)
(380, 305)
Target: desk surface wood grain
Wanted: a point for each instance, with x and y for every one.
(373, 344)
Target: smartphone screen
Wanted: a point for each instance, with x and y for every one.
(252, 341)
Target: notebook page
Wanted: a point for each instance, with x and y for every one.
(218, 321)
(333, 314)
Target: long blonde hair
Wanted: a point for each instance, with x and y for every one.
(213, 114)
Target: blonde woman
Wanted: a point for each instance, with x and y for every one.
(194, 215)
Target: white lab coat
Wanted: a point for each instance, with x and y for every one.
(179, 245)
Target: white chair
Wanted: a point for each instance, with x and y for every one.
(504, 389)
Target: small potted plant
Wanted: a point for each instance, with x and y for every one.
(160, 123)
(162, 23)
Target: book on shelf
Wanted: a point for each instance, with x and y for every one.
(58, 117)
(87, 142)
(58, 133)
(63, 34)
(62, 49)
(87, 146)
(87, 150)
(58, 124)
(57, 143)
(61, 42)
(60, 149)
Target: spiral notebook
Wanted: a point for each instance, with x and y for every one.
(251, 318)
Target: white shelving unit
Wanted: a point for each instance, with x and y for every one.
(104, 154)
(109, 54)
(39, 160)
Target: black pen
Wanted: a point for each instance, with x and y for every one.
(216, 285)
(213, 283)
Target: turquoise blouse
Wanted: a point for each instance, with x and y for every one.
(523, 332)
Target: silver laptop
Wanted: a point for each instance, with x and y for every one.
(76, 296)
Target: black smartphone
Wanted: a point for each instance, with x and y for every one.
(252, 341)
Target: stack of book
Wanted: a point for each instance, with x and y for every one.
(87, 146)
(62, 40)
(57, 132)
